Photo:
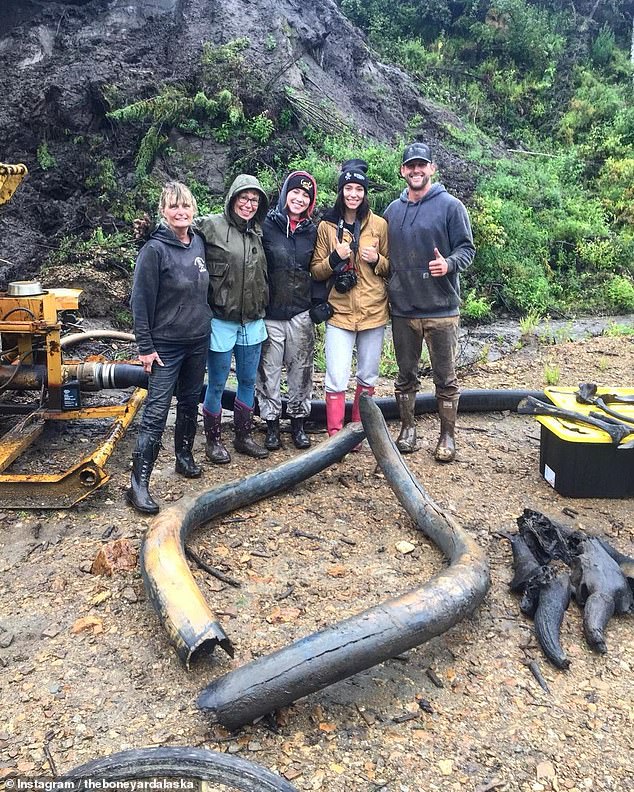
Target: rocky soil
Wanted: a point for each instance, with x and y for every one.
(87, 670)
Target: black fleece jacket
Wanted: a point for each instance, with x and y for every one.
(169, 293)
(288, 257)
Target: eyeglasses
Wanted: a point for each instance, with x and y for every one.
(243, 201)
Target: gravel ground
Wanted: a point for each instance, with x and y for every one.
(86, 669)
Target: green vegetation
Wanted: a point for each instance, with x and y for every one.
(539, 106)
(45, 159)
(100, 250)
(616, 330)
(554, 220)
(212, 107)
(552, 373)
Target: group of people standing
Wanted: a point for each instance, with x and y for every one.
(250, 283)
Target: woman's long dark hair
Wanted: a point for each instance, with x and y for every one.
(362, 211)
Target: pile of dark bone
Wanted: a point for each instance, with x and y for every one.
(554, 563)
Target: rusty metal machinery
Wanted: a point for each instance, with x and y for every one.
(31, 359)
(10, 178)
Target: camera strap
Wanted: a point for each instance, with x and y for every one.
(356, 234)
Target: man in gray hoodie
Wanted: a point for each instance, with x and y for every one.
(430, 243)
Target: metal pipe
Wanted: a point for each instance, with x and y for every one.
(91, 376)
(26, 378)
(375, 635)
(171, 588)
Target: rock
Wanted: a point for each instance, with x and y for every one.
(6, 639)
(129, 594)
(117, 556)
(405, 547)
(51, 631)
(92, 623)
(445, 766)
(545, 770)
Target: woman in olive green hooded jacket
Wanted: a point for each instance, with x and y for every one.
(238, 296)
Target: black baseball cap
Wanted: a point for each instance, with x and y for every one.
(416, 151)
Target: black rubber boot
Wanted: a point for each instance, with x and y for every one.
(272, 440)
(300, 438)
(215, 449)
(184, 434)
(243, 424)
(143, 460)
(406, 441)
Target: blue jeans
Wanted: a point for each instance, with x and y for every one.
(183, 374)
(218, 368)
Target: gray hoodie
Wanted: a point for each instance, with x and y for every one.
(169, 294)
(414, 229)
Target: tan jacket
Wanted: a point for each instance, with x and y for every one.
(365, 306)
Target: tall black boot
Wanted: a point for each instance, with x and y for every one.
(300, 438)
(243, 424)
(184, 434)
(143, 459)
(272, 441)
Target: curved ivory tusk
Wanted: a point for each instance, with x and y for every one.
(375, 635)
(169, 583)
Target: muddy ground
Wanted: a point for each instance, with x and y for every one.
(462, 712)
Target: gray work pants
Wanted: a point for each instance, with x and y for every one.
(290, 343)
(441, 337)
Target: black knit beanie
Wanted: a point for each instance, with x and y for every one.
(353, 172)
(302, 182)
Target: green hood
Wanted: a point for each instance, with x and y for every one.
(245, 182)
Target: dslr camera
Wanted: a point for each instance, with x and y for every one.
(345, 281)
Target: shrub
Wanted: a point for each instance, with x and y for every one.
(45, 159)
(475, 309)
(620, 292)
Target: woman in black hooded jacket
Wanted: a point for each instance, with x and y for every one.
(289, 238)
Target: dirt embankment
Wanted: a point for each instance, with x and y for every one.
(86, 669)
(63, 65)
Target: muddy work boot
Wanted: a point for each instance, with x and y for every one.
(243, 424)
(406, 441)
(215, 448)
(300, 438)
(143, 460)
(272, 441)
(446, 448)
(184, 434)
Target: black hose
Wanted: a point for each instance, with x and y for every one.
(375, 635)
(91, 335)
(177, 763)
(470, 401)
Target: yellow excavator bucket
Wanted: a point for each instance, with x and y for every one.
(10, 178)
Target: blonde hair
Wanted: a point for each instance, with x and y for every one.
(178, 193)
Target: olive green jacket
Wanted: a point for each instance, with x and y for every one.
(238, 286)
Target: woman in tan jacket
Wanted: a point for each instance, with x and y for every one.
(351, 254)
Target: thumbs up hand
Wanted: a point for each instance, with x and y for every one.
(371, 252)
(438, 265)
